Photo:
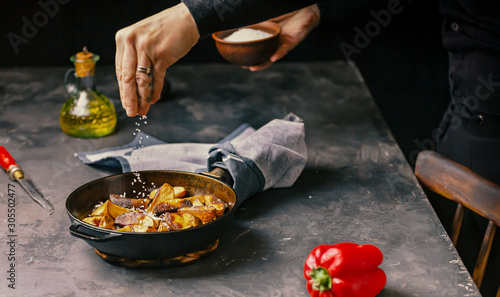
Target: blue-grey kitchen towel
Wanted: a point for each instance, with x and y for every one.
(271, 157)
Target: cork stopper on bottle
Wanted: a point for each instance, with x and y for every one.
(85, 63)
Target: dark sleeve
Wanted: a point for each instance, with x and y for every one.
(216, 15)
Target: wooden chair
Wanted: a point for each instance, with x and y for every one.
(458, 183)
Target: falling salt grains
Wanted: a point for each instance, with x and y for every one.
(136, 173)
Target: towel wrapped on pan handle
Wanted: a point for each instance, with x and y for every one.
(272, 156)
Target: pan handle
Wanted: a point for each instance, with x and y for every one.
(221, 174)
(73, 230)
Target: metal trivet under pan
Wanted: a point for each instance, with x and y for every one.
(157, 263)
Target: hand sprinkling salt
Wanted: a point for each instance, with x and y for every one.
(247, 34)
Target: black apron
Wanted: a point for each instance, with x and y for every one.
(469, 132)
(470, 128)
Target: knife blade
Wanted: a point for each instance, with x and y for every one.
(15, 172)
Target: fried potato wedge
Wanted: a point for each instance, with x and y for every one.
(173, 220)
(164, 193)
(143, 229)
(176, 221)
(101, 210)
(215, 202)
(204, 213)
(152, 194)
(134, 228)
(191, 221)
(126, 229)
(93, 220)
(107, 222)
(179, 192)
(103, 221)
(199, 198)
(136, 219)
(197, 202)
(171, 205)
(115, 210)
(163, 227)
(125, 202)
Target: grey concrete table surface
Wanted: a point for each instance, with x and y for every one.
(356, 187)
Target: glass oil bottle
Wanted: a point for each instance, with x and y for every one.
(87, 112)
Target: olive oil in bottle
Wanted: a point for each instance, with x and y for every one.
(87, 112)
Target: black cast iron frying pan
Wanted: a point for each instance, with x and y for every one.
(150, 246)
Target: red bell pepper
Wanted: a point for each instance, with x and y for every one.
(344, 269)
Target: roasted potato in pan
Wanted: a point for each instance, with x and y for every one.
(167, 209)
(175, 221)
(129, 202)
(204, 213)
(171, 205)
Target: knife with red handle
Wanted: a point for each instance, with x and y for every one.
(16, 173)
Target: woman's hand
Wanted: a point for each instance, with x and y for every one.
(295, 26)
(156, 42)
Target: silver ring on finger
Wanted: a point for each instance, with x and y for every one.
(147, 70)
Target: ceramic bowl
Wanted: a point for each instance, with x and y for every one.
(249, 53)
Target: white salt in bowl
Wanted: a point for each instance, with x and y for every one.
(249, 48)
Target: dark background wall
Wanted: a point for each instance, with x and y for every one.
(404, 64)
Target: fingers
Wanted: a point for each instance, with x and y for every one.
(295, 28)
(260, 66)
(158, 77)
(129, 86)
(138, 89)
(118, 62)
(135, 86)
(151, 43)
(285, 46)
(283, 49)
(144, 81)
